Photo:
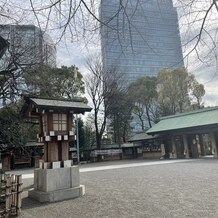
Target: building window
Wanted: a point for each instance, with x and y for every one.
(59, 122)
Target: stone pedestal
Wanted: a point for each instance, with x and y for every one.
(56, 184)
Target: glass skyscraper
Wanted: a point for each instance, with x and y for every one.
(139, 37)
(29, 44)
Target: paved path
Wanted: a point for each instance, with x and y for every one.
(28, 173)
(142, 189)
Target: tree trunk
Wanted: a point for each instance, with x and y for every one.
(98, 137)
(148, 116)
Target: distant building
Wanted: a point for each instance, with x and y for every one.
(29, 44)
(144, 43)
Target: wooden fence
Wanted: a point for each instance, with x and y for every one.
(10, 195)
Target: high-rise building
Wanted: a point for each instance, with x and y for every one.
(29, 45)
(140, 37)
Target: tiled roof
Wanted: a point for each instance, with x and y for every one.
(60, 103)
(76, 105)
(199, 118)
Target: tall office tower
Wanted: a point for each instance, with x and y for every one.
(139, 37)
(29, 45)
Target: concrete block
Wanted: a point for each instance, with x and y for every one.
(56, 184)
(41, 181)
(35, 185)
(56, 164)
(82, 190)
(75, 178)
(67, 163)
(66, 194)
(56, 179)
(40, 196)
(47, 165)
(58, 195)
(41, 162)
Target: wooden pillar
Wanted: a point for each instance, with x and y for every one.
(52, 151)
(213, 142)
(186, 149)
(45, 157)
(201, 142)
(65, 151)
(174, 155)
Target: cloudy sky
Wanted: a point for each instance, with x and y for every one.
(202, 61)
(75, 48)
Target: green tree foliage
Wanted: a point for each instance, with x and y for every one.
(120, 107)
(175, 90)
(14, 130)
(197, 91)
(144, 97)
(55, 82)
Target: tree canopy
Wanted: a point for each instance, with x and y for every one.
(63, 82)
(172, 91)
(143, 94)
(175, 90)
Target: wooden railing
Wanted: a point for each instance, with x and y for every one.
(10, 195)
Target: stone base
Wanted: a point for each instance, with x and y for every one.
(58, 195)
(56, 184)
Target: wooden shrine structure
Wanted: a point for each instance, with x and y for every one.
(56, 179)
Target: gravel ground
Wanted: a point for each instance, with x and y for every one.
(188, 189)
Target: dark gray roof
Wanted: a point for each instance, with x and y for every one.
(77, 105)
(60, 103)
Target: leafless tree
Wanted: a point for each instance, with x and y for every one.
(79, 18)
(101, 85)
(24, 50)
(199, 31)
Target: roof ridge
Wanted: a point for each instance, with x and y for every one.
(75, 99)
(190, 112)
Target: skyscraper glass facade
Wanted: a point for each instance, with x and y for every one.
(29, 44)
(140, 37)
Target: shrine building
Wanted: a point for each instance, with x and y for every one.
(189, 135)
